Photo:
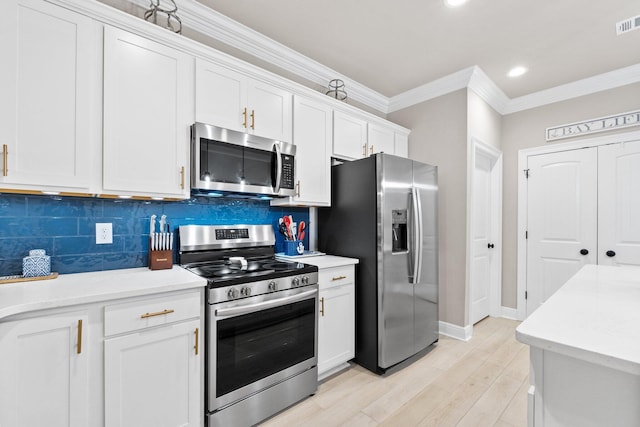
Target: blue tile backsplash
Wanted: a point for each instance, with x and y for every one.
(65, 227)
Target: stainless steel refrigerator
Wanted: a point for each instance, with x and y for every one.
(384, 212)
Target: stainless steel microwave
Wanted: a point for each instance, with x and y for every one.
(224, 161)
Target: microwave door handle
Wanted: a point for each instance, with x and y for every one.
(276, 188)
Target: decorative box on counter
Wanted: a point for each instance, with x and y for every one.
(37, 264)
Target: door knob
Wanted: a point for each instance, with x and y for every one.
(490, 245)
(610, 254)
(584, 252)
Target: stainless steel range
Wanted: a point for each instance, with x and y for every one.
(261, 338)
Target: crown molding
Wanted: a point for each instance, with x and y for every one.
(611, 80)
(211, 23)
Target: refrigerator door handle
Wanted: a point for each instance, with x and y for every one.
(416, 246)
(420, 235)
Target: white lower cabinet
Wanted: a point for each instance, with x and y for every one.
(336, 319)
(44, 371)
(135, 362)
(152, 377)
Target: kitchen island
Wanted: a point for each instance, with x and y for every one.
(585, 351)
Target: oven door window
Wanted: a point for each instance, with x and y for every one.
(253, 346)
(224, 162)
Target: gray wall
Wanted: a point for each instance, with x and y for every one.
(526, 129)
(439, 137)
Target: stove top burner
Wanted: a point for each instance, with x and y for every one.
(230, 272)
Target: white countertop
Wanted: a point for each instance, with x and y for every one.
(84, 288)
(327, 261)
(595, 317)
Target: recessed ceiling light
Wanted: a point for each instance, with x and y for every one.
(517, 71)
(454, 3)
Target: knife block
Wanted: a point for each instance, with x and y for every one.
(160, 260)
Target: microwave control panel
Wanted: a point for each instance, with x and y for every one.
(287, 172)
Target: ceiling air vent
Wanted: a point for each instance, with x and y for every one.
(628, 25)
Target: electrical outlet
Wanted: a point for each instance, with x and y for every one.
(104, 233)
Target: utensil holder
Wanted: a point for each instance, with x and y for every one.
(160, 260)
(293, 247)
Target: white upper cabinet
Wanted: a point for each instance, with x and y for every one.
(312, 137)
(401, 144)
(349, 136)
(235, 101)
(380, 139)
(48, 81)
(148, 110)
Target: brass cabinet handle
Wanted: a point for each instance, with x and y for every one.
(197, 346)
(5, 153)
(322, 306)
(182, 177)
(253, 119)
(157, 313)
(364, 150)
(371, 149)
(244, 120)
(298, 189)
(338, 278)
(79, 346)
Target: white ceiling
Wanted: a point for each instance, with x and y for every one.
(392, 46)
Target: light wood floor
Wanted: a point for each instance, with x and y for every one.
(482, 382)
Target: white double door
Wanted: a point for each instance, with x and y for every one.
(583, 207)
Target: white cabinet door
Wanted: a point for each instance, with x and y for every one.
(401, 144)
(221, 96)
(336, 339)
(619, 204)
(336, 319)
(152, 378)
(231, 100)
(562, 220)
(380, 140)
(312, 136)
(47, 81)
(44, 376)
(148, 108)
(349, 136)
(269, 110)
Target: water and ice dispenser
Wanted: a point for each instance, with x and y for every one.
(399, 230)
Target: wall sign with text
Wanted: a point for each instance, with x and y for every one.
(601, 124)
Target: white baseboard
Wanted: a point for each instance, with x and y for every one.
(509, 313)
(462, 333)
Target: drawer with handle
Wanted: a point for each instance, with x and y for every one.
(335, 276)
(132, 316)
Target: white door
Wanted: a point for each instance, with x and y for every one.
(152, 378)
(619, 204)
(482, 241)
(380, 140)
(312, 136)
(336, 327)
(47, 81)
(561, 220)
(148, 108)
(269, 112)
(221, 96)
(349, 136)
(44, 371)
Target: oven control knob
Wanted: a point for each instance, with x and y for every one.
(245, 291)
(305, 280)
(273, 286)
(295, 282)
(232, 293)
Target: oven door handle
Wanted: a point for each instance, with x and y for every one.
(252, 308)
